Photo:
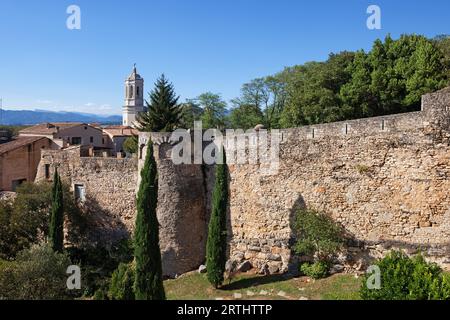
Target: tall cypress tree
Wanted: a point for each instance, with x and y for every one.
(163, 112)
(56, 232)
(216, 246)
(148, 282)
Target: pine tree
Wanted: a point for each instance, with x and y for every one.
(216, 245)
(148, 282)
(163, 112)
(56, 233)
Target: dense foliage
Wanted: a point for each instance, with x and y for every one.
(163, 112)
(38, 273)
(216, 245)
(405, 278)
(317, 235)
(25, 220)
(148, 283)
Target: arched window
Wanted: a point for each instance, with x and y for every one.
(137, 92)
(131, 92)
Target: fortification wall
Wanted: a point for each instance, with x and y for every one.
(384, 179)
(110, 190)
(181, 211)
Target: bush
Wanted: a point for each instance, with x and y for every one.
(38, 273)
(317, 235)
(316, 270)
(405, 278)
(122, 282)
(99, 263)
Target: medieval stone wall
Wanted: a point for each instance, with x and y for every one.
(385, 180)
(110, 190)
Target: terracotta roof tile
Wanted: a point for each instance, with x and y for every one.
(18, 143)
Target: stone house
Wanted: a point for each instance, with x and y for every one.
(19, 160)
(115, 136)
(67, 134)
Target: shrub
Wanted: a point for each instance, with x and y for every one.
(440, 289)
(122, 282)
(98, 264)
(405, 278)
(316, 270)
(317, 235)
(37, 274)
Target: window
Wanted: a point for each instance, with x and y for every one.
(137, 92)
(76, 140)
(47, 171)
(131, 92)
(80, 192)
(91, 139)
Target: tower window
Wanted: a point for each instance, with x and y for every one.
(131, 92)
(137, 91)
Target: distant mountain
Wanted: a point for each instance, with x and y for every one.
(29, 117)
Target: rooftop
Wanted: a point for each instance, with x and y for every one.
(50, 128)
(115, 131)
(18, 143)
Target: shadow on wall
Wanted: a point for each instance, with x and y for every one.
(104, 228)
(294, 260)
(359, 253)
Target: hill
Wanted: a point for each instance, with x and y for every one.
(31, 117)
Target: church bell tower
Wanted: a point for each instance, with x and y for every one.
(134, 98)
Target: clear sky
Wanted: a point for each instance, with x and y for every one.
(201, 45)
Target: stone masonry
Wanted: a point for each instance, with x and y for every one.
(386, 180)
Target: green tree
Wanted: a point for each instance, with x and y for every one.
(216, 246)
(130, 145)
(38, 273)
(148, 283)
(393, 76)
(313, 91)
(25, 220)
(245, 116)
(163, 112)
(214, 109)
(56, 233)
(190, 112)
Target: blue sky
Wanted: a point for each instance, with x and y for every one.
(201, 45)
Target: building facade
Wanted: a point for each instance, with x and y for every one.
(19, 160)
(67, 134)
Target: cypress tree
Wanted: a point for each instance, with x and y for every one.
(163, 112)
(216, 245)
(148, 280)
(56, 232)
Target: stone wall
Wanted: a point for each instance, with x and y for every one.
(110, 188)
(385, 180)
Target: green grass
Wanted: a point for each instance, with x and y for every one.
(195, 286)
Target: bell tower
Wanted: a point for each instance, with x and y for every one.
(134, 98)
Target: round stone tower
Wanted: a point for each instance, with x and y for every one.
(181, 207)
